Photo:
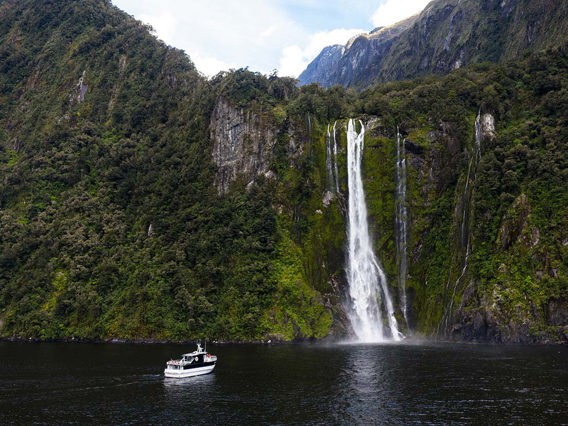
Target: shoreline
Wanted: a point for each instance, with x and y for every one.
(414, 340)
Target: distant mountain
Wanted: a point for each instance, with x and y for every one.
(447, 35)
(320, 69)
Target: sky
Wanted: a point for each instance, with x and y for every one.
(263, 35)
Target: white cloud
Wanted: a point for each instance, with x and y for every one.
(392, 11)
(209, 65)
(221, 34)
(164, 25)
(294, 59)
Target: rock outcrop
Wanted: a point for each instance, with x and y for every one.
(243, 144)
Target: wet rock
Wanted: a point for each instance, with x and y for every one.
(327, 198)
(487, 122)
(82, 88)
(243, 144)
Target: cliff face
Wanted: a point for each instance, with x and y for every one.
(447, 35)
(243, 144)
(321, 69)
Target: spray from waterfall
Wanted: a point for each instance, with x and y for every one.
(401, 222)
(369, 298)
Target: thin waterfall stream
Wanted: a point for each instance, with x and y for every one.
(465, 219)
(329, 161)
(332, 170)
(335, 168)
(369, 300)
(401, 231)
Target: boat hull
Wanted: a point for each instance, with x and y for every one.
(190, 372)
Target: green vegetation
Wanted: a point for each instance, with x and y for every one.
(111, 225)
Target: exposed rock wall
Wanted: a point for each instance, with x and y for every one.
(243, 144)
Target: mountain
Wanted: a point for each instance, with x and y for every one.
(140, 200)
(446, 35)
(111, 221)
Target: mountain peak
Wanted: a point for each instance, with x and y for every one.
(446, 35)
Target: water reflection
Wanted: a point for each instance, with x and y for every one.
(289, 384)
(365, 384)
(194, 382)
(188, 398)
(174, 387)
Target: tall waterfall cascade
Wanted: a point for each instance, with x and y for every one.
(370, 308)
(401, 222)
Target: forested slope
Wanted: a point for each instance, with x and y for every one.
(140, 200)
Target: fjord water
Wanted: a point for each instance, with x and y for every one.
(285, 384)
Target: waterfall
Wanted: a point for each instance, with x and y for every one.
(368, 292)
(464, 240)
(401, 221)
(335, 168)
(331, 161)
(328, 161)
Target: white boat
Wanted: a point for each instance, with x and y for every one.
(192, 364)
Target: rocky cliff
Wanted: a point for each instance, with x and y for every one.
(243, 144)
(446, 35)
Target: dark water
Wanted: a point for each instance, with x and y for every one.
(293, 384)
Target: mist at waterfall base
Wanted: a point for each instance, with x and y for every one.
(394, 384)
(369, 298)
